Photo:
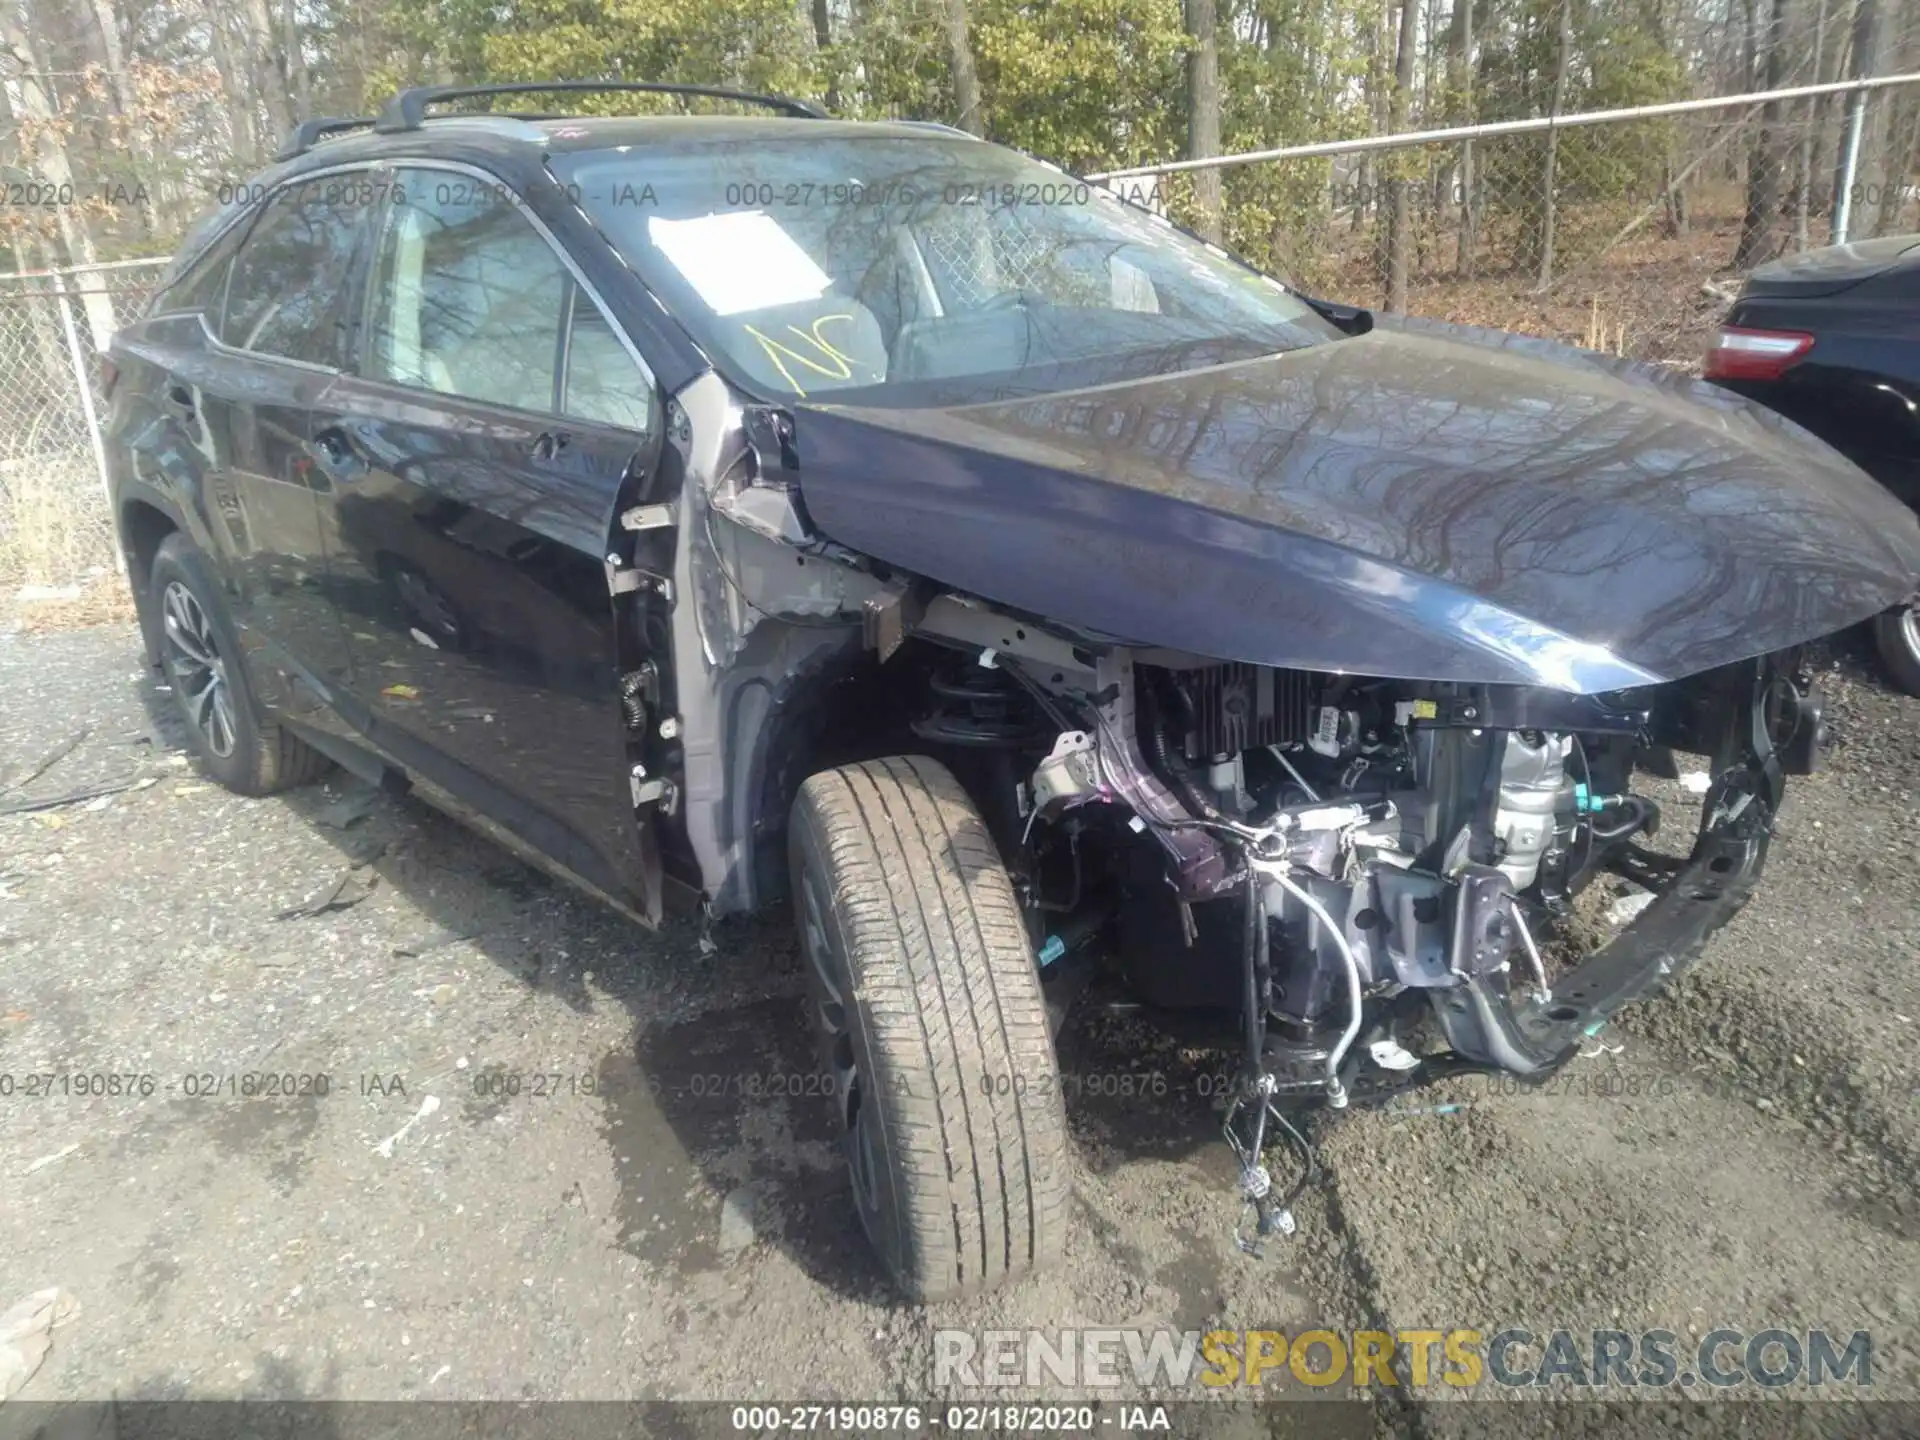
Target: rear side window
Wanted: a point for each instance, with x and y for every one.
(469, 299)
(283, 297)
(203, 285)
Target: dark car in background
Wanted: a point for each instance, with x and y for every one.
(747, 510)
(1831, 339)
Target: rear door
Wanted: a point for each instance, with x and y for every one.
(475, 461)
(282, 340)
(219, 380)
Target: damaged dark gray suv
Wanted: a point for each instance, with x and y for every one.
(751, 510)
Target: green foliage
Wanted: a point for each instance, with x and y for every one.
(1086, 83)
(760, 44)
(1102, 84)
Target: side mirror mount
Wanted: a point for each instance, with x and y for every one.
(1349, 319)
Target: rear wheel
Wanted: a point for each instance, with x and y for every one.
(928, 1010)
(1898, 633)
(200, 653)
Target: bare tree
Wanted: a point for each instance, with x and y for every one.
(130, 125)
(1371, 28)
(1203, 113)
(1764, 160)
(33, 107)
(1458, 180)
(1902, 150)
(267, 63)
(966, 78)
(242, 125)
(1399, 190)
(1549, 176)
(1811, 115)
(299, 83)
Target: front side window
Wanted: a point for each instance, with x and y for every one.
(284, 290)
(874, 269)
(470, 300)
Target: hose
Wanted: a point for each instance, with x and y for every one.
(1256, 1001)
(1533, 951)
(1644, 810)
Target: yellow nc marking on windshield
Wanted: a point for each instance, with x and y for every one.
(839, 364)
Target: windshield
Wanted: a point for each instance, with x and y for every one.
(885, 269)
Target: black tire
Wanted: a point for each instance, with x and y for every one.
(237, 743)
(946, 1089)
(1898, 634)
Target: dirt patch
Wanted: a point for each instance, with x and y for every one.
(617, 1193)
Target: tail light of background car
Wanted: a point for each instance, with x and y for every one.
(1738, 353)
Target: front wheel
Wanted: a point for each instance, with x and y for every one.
(1898, 634)
(931, 1023)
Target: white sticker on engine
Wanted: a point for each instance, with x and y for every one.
(1326, 734)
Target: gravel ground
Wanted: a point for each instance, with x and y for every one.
(1742, 1152)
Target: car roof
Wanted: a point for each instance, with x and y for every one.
(518, 136)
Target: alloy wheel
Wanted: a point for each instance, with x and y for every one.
(857, 1118)
(198, 669)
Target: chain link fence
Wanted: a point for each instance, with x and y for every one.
(1626, 236)
(1625, 233)
(55, 528)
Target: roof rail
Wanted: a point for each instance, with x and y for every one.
(407, 109)
(307, 132)
(941, 126)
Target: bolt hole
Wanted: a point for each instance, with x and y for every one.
(1721, 864)
(1563, 1013)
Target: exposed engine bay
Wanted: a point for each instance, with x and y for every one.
(1342, 860)
(1360, 883)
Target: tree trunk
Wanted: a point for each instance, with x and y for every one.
(31, 104)
(1903, 147)
(298, 82)
(966, 79)
(1757, 239)
(242, 123)
(1469, 244)
(1399, 191)
(1676, 200)
(1375, 86)
(128, 124)
(268, 65)
(1809, 128)
(1203, 115)
(47, 348)
(1549, 177)
(823, 46)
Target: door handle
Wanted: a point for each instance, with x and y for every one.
(549, 443)
(181, 398)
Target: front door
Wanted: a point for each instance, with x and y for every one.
(475, 462)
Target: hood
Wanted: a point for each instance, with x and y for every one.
(1400, 504)
(1827, 271)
